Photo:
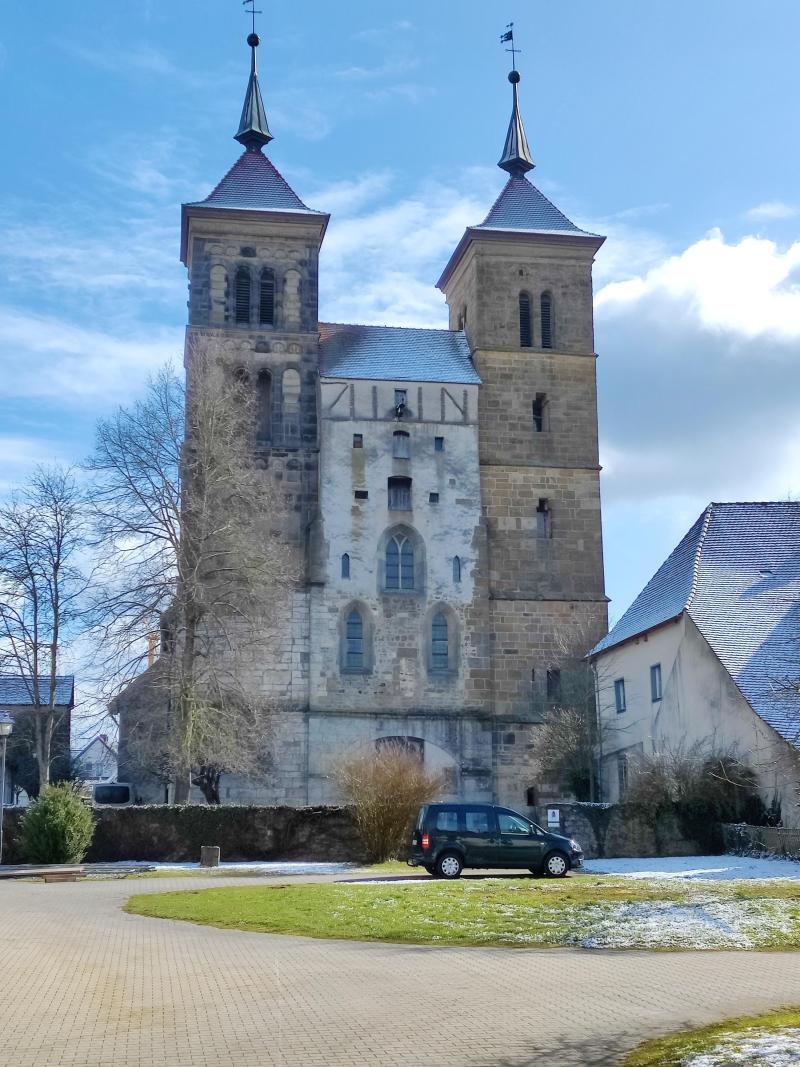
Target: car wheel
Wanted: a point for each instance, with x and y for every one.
(536, 871)
(449, 865)
(556, 865)
(430, 869)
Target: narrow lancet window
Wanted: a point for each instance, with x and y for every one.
(524, 320)
(346, 565)
(266, 311)
(440, 645)
(546, 309)
(456, 569)
(242, 295)
(354, 640)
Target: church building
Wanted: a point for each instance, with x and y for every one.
(441, 486)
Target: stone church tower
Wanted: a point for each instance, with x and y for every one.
(440, 488)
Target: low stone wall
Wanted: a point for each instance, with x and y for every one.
(171, 833)
(764, 840)
(605, 830)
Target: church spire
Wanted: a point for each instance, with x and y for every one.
(516, 158)
(253, 130)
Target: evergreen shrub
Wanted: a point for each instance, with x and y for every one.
(58, 826)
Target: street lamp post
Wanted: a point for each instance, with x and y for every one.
(6, 726)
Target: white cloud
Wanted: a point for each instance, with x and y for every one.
(49, 357)
(772, 209)
(700, 375)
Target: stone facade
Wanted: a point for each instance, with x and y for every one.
(446, 525)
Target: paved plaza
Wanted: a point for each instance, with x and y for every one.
(86, 985)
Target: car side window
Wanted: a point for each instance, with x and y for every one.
(510, 824)
(476, 821)
(447, 819)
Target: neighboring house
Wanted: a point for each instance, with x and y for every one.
(439, 488)
(709, 652)
(17, 697)
(96, 761)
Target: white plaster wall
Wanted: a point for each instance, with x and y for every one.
(700, 704)
(400, 621)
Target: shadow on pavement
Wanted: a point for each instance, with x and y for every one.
(605, 1051)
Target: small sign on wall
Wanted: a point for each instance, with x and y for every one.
(553, 818)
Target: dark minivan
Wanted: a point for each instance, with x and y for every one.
(449, 837)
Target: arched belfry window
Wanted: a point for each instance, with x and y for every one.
(399, 563)
(524, 320)
(546, 310)
(263, 408)
(242, 295)
(440, 642)
(456, 569)
(266, 304)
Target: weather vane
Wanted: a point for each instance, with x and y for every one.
(250, 9)
(509, 36)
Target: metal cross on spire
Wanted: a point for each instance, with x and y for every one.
(508, 36)
(250, 9)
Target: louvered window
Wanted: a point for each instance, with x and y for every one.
(242, 295)
(267, 301)
(440, 645)
(546, 308)
(524, 320)
(354, 640)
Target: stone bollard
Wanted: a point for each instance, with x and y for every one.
(209, 856)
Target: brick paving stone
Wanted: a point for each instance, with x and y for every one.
(86, 985)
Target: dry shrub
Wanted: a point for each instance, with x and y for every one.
(386, 787)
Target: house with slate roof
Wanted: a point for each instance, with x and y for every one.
(440, 488)
(709, 652)
(18, 698)
(96, 760)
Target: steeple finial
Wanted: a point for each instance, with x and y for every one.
(516, 158)
(253, 130)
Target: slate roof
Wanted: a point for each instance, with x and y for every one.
(737, 575)
(520, 206)
(395, 353)
(16, 690)
(254, 184)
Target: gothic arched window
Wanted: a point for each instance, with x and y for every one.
(354, 641)
(266, 303)
(346, 565)
(440, 643)
(456, 568)
(399, 563)
(524, 320)
(242, 295)
(263, 407)
(546, 309)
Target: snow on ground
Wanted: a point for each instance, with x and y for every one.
(715, 868)
(756, 1048)
(257, 867)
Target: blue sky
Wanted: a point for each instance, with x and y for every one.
(672, 128)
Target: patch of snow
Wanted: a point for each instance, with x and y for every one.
(248, 867)
(753, 1048)
(713, 868)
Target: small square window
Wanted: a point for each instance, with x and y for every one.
(619, 695)
(361, 494)
(433, 498)
(358, 440)
(438, 444)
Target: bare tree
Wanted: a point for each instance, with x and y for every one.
(568, 745)
(192, 547)
(42, 587)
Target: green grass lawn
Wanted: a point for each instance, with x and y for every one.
(677, 1049)
(590, 911)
